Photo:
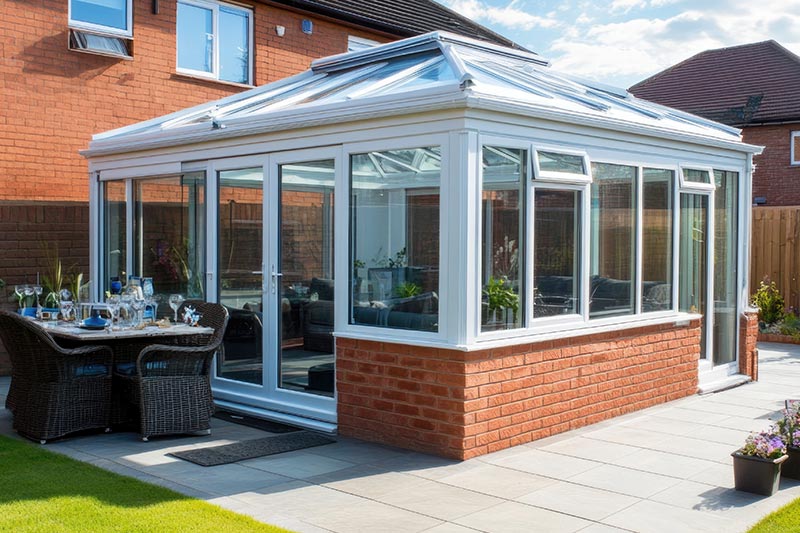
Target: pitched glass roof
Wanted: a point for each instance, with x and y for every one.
(438, 63)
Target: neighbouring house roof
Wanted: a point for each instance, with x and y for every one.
(431, 72)
(404, 18)
(739, 86)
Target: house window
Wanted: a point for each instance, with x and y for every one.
(214, 40)
(104, 16)
(394, 221)
(657, 241)
(561, 166)
(556, 251)
(613, 240)
(359, 43)
(502, 237)
(795, 147)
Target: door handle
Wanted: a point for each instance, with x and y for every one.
(275, 276)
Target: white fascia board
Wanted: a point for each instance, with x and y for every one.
(607, 123)
(437, 98)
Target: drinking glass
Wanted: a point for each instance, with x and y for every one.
(138, 305)
(175, 301)
(67, 307)
(113, 302)
(37, 290)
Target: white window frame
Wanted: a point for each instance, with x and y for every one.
(101, 29)
(561, 177)
(694, 186)
(214, 6)
(795, 161)
(355, 43)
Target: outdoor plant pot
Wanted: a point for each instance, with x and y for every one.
(791, 468)
(757, 475)
(28, 311)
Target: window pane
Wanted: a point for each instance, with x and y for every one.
(110, 13)
(795, 147)
(696, 176)
(195, 38)
(170, 234)
(115, 227)
(693, 255)
(234, 45)
(657, 240)
(726, 220)
(613, 240)
(556, 266)
(553, 162)
(502, 204)
(394, 224)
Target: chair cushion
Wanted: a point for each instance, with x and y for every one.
(129, 369)
(91, 370)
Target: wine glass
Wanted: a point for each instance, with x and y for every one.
(175, 301)
(138, 305)
(37, 289)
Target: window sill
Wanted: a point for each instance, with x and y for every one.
(194, 77)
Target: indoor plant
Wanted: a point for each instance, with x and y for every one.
(500, 299)
(757, 464)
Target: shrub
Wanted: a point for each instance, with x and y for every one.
(769, 302)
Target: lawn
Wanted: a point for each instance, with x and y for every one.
(45, 491)
(784, 520)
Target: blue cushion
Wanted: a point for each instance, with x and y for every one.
(129, 369)
(91, 370)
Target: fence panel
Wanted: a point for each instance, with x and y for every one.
(776, 250)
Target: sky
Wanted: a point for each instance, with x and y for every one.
(621, 42)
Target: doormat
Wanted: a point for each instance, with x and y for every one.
(250, 449)
(264, 425)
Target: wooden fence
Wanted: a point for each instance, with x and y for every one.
(775, 251)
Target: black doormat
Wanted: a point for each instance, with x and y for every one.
(250, 449)
(264, 425)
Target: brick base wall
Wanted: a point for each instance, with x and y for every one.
(464, 404)
(748, 349)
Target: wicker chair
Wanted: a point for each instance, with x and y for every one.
(54, 391)
(171, 387)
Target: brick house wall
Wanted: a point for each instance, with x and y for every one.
(775, 178)
(54, 99)
(463, 404)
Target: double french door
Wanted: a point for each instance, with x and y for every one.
(275, 273)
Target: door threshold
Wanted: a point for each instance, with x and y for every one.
(723, 384)
(284, 418)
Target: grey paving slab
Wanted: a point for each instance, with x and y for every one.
(655, 517)
(591, 449)
(578, 500)
(439, 500)
(449, 527)
(514, 517)
(497, 481)
(374, 517)
(624, 480)
(368, 481)
(666, 464)
(545, 464)
(297, 465)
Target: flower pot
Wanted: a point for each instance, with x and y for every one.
(757, 475)
(28, 311)
(791, 468)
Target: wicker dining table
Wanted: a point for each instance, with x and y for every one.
(126, 343)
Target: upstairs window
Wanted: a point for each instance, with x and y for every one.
(214, 40)
(104, 16)
(359, 43)
(795, 140)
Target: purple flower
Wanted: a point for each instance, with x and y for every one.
(768, 444)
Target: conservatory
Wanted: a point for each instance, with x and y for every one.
(441, 244)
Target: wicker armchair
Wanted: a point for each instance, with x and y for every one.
(171, 387)
(54, 391)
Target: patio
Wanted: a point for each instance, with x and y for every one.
(667, 468)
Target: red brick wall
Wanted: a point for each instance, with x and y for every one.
(748, 350)
(463, 404)
(775, 177)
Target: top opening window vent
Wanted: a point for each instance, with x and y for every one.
(103, 45)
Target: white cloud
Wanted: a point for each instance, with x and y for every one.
(626, 5)
(507, 16)
(632, 50)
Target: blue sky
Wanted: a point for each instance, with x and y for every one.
(621, 42)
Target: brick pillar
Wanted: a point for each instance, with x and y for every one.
(748, 350)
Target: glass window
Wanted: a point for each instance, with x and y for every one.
(657, 196)
(394, 241)
(556, 252)
(613, 240)
(214, 40)
(795, 142)
(564, 163)
(359, 43)
(115, 233)
(696, 176)
(112, 15)
(502, 237)
(169, 233)
(726, 230)
(693, 257)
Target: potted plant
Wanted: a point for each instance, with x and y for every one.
(757, 464)
(500, 299)
(789, 427)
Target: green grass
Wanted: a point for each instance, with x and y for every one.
(784, 520)
(48, 492)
